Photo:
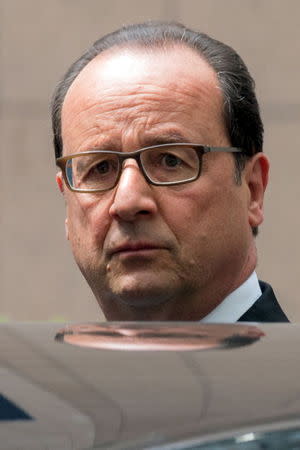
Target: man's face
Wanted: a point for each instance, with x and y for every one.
(155, 251)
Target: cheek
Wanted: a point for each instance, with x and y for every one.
(88, 221)
(186, 206)
(201, 213)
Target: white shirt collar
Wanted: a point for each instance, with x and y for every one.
(236, 303)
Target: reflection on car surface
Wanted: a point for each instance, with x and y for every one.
(150, 385)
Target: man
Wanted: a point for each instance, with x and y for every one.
(159, 140)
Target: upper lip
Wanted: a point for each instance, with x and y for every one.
(135, 246)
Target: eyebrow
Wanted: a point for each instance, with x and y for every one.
(165, 138)
(107, 144)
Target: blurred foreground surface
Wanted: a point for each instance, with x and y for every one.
(172, 395)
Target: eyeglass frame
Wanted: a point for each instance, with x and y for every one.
(200, 149)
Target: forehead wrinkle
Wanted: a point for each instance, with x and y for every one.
(130, 104)
(135, 120)
(122, 96)
(134, 111)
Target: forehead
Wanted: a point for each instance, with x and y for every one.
(131, 82)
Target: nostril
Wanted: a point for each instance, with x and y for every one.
(144, 212)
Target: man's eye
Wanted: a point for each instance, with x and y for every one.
(102, 167)
(170, 160)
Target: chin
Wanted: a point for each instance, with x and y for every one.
(142, 294)
(143, 301)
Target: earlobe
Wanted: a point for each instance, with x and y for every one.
(257, 179)
(59, 182)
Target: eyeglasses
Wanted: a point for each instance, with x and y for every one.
(161, 165)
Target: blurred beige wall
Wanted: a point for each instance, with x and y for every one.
(38, 41)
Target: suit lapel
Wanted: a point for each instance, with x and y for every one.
(265, 309)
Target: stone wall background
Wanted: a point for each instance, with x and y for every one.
(38, 41)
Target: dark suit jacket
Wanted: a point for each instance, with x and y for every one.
(265, 309)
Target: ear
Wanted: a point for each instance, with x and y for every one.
(67, 229)
(257, 175)
(59, 182)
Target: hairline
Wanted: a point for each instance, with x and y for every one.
(132, 45)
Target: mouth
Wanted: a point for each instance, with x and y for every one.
(136, 249)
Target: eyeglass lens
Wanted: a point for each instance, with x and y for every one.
(99, 171)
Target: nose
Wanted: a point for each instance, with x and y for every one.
(134, 197)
